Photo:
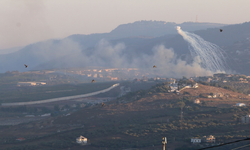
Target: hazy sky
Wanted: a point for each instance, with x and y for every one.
(26, 21)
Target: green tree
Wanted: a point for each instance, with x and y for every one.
(181, 104)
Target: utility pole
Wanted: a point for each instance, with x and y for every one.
(181, 114)
(164, 142)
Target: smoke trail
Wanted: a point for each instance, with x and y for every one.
(210, 55)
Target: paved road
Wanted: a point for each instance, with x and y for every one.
(60, 98)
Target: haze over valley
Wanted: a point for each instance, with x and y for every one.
(127, 75)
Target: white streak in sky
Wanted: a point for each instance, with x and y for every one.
(210, 55)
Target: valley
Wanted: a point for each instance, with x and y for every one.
(137, 120)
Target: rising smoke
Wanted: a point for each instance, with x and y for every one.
(115, 56)
(69, 54)
(210, 55)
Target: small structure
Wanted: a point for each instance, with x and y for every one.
(177, 92)
(208, 139)
(214, 96)
(81, 140)
(240, 104)
(46, 115)
(144, 78)
(197, 101)
(209, 96)
(209, 79)
(164, 142)
(195, 85)
(195, 140)
(219, 94)
(245, 119)
(30, 83)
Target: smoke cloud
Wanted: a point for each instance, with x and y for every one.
(211, 55)
(115, 56)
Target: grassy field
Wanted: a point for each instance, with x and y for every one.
(22, 94)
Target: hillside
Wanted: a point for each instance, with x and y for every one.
(234, 38)
(228, 98)
(239, 54)
(138, 120)
(67, 52)
(158, 28)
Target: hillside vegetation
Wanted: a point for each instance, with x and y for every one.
(139, 120)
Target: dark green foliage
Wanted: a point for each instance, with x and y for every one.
(186, 93)
(202, 96)
(181, 104)
(160, 88)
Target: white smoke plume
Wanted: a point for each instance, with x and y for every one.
(211, 56)
(68, 54)
(115, 56)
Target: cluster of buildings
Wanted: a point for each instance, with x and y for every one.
(111, 74)
(30, 83)
(216, 95)
(204, 139)
(223, 78)
(174, 87)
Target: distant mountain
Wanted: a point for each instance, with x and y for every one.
(36, 54)
(126, 44)
(231, 36)
(158, 28)
(9, 50)
(239, 56)
(141, 29)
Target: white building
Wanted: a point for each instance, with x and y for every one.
(195, 85)
(81, 140)
(240, 104)
(195, 140)
(46, 115)
(209, 96)
(197, 101)
(26, 83)
(30, 83)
